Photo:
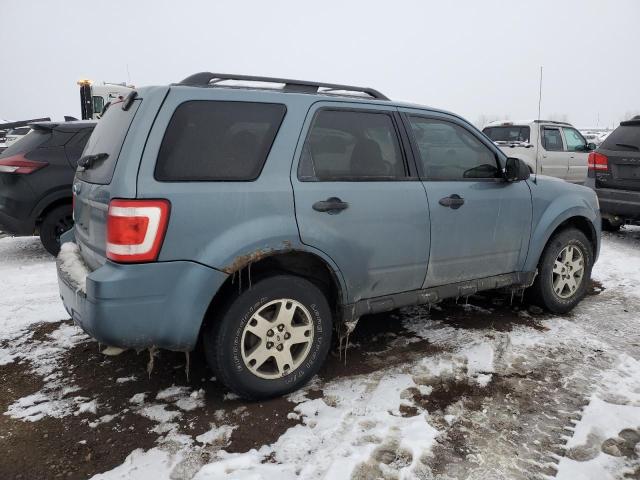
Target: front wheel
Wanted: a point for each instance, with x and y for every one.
(564, 271)
(271, 339)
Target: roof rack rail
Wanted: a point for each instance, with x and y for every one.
(204, 79)
(552, 121)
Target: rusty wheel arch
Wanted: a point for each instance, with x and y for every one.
(247, 269)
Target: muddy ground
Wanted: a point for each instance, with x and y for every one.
(75, 446)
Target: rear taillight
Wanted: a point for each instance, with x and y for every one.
(18, 164)
(598, 162)
(135, 229)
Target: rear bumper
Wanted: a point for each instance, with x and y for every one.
(142, 305)
(619, 203)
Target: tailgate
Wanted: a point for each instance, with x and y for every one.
(92, 187)
(622, 149)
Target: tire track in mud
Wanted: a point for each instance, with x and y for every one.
(517, 425)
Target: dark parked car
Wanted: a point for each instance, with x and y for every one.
(36, 174)
(614, 173)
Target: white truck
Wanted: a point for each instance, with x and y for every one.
(93, 98)
(556, 149)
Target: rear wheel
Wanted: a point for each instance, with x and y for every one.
(55, 223)
(564, 271)
(609, 226)
(271, 339)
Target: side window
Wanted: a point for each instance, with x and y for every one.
(551, 140)
(351, 145)
(575, 141)
(449, 152)
(98, 104)
(216, 140)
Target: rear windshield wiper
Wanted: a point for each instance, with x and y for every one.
(89, 161)
(626, 145)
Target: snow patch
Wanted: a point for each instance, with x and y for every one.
(70, 262)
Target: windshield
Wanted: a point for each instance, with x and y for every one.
(511, 133)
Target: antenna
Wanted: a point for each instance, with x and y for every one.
(539, 127)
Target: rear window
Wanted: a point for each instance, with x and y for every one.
(37, 139)
(508, 133)
(108, 137)
(623, 138)
(215, 140)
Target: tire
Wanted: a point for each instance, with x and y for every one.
(544, 290)
(235, 338)
(54, 224)
(607, 226)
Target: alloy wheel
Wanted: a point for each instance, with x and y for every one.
(277, 338)
(568, 271)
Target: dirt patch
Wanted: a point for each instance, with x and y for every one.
(595, 288)
(51, 448)
(492, 311)
(378, 341)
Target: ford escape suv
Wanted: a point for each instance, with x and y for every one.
(261, 215)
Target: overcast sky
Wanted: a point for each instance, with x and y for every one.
(476, 58)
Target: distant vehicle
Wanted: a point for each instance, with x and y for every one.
(16, 134)
(93, 98)
(36, 173)
(614, 173)
(594, 138)
(556, 149)
(259, 219)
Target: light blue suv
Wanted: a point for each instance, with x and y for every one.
(260, 215)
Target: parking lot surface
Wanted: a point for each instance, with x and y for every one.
(482, 388)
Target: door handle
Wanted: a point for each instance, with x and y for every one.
(454, 201)
(331, 205)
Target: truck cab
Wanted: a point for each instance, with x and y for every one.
(552, 148)
(93, 98)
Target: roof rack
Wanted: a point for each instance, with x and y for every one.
(205, 79)
(552, 121)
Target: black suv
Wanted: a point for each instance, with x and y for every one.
(36, 174)
(614, 173)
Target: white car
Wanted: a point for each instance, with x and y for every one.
(549, 148)
(16, 134)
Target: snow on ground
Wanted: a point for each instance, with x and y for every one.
(29, 286)
(484, 390)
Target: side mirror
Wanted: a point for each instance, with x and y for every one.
(516, 170)
(591, 147)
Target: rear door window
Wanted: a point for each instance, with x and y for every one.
(552, 140)
(108, 137)
(344, 145)
(218, 141)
